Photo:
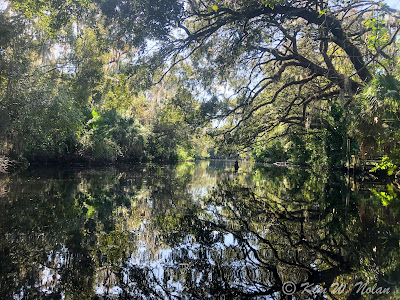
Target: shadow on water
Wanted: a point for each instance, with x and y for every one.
(195, 231)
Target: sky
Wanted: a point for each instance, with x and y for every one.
(393, 3)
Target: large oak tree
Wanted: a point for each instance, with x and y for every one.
(280, 59)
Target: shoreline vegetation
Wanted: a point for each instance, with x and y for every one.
(7, 166)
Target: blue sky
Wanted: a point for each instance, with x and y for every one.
(393, 3)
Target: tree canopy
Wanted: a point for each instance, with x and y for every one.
(280, 59)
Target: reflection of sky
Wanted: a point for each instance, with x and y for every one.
(3, 5)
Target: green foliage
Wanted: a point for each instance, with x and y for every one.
(162, 142)
(114, 246)
(54, 14)
(335, 138)
(88, 60)
(382, 95)
(272, 3)
(185, 154)
(378, 35)
(48, 124)
(385, 164)
(389, 197)
(273, 152)
(109, 135)
(54, 117)
(297, 149)
(134, 22)
(326, 148)
(378, 117)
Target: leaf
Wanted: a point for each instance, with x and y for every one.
(90, 211)
(321, 13)
(270, 3)
(215, 7)
(391, 170)
(95, 113)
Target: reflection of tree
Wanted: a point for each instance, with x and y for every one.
(276, 239)
(142, 234)
(71, 232)
(60, 232)
(32, 229)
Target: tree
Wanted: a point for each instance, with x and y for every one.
(265, 68)
(285, 61)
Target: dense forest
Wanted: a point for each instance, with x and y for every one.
(310, 82)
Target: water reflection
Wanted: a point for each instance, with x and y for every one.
(194, 231)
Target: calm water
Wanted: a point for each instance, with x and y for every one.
(195, 231)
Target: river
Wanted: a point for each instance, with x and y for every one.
(196, 230)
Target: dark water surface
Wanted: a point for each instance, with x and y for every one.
(196, 231)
